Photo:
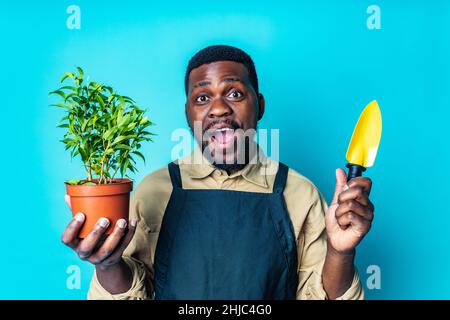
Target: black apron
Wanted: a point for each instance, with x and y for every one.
(222, 244)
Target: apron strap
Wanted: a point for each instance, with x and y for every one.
(175, 175)
(280, 179)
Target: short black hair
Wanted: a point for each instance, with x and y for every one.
(222, 53)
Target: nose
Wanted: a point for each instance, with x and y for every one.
(219, 108)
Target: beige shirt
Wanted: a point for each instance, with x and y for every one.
(305, 205)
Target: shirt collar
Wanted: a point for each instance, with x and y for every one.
(198, 167)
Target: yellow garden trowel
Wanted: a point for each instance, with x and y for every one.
(363, 146)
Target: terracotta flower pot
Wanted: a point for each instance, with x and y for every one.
(111, 201)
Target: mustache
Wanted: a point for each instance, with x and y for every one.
(229, 122)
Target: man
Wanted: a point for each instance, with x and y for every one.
(226, 227)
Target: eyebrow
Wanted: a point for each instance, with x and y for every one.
(232, 79)
(207, 83)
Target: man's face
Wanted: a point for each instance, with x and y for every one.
(223, 103)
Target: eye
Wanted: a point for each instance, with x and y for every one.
(201, 99)
(235, 94)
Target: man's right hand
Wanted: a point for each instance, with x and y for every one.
(95, 248)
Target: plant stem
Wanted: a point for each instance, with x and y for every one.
(114, 174)
(89, 172)
(107, 171)
(102, 178)
(101, 170)
(118, 166)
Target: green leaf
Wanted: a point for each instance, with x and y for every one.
(94, 120)
(101, 102)
(78, 99)
(69, 88)
(78, 81)
(61, 105)
(108, 134)
(128, 99)
(59, 92)
(119, 114)
(83, 154)
(73, 104)
(124, 121)
(143, 121)
(89, 183)
(124, 167)
(121, 138)
(70, 95)
(121, 101)
(67, 75)
(123, 147)
(83, 126)
(80, 72)
(147, 133)
(139, 155)
(74, 152)
(109, 89)
(73, 182)
(131, 126)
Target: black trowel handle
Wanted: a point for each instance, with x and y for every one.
(354, 170)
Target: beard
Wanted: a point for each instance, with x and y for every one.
(228, 165)
(237, 150)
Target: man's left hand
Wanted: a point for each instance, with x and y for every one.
(350, 214)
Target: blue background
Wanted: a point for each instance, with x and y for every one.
(318, 66)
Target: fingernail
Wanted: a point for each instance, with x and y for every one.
(122, 223)
(133, 222)
(103, 222)
(79, 217)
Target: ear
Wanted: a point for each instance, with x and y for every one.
(262, 105)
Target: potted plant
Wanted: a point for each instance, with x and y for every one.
(105, 130)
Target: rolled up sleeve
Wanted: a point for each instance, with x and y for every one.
(147, 208)
(137, 290)
(312, 249)
(138, 257)
(147, 205)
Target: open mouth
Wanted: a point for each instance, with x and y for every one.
(223, 136)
